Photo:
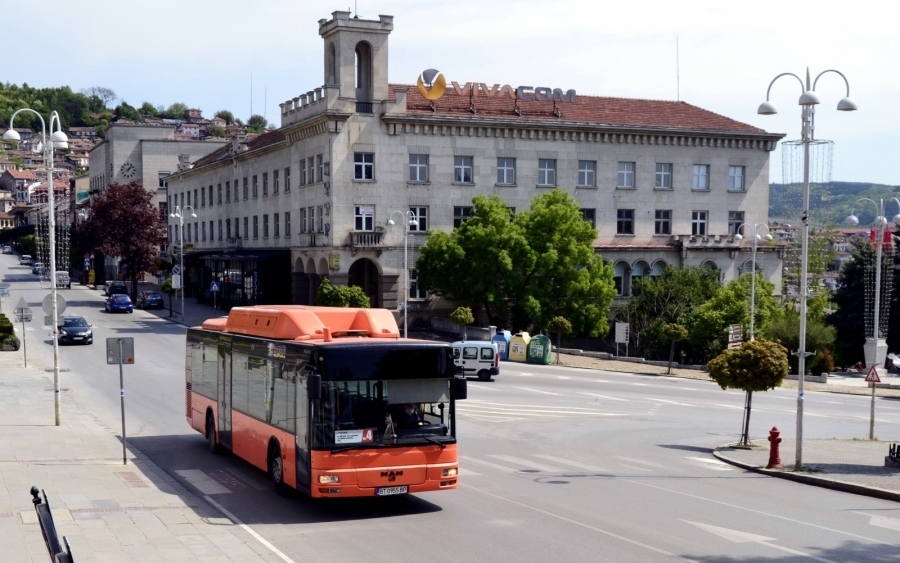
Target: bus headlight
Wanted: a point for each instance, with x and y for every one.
(328, 479)
(452, 472)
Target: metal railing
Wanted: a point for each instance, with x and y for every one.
(58, 553)
(365, 239)
(363, 107)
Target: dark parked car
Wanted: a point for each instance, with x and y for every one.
(150, 300)
(116, 287)
(119, 302)
(75, 330)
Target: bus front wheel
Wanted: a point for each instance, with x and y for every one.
(276, 469)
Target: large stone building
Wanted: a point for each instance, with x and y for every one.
(664, 183)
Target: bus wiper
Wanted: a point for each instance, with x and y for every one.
(430, 438)
(357, 447)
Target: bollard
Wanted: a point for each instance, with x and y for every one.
(774, 453)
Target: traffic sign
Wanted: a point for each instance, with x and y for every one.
(214, 286)
(872, 376)
(112, 350)
(176, 270)
(47, 304)
(176, 281)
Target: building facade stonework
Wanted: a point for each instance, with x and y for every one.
(664, 183)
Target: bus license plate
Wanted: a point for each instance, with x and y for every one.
(385, 491)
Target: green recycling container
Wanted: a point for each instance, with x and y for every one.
(539, 350)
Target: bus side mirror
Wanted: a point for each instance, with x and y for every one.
(314, 386)
(460, 388)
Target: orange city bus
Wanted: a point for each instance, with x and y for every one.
(330, 401)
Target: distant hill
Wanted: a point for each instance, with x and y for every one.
(831, 203)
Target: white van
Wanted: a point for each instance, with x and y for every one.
(63, 279)
(476, 357)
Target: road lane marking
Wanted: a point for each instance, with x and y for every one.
(655, 400)
(537, 391)
(202, 482)
(249, 530)
(488, 464)
(605, 397)
(591, 468)
(642, 462)
(528, 463)
(713, 464)
(468, 473)
(737, 536)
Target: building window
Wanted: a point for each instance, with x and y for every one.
(266, 225)
(626, 175)
(462, 169)
(237, 228)
(701, 177)
(228, 192)
(220, 230)
(255, 186)
(303, 227)
(418, 168)
(287, 224)
(275, 181)
(219, 194)
(287, 179)
(546, 172)
(587, 173)
(203, 197)
(460, 214)
(421, 215)
(320, 168)
(189, 233)
(663, 176)
(265, 184)
(321, 219)
(506, 171)
(415, 292)
(228, 229)
(311, 213)
(364, 217)
(590, 215)
(276, 230)
(625, 222)
(311, 165)
(698, 223)
(246, 191)
(236, 195)
(736, 178)
(246, 228)
(363, 166)
(203, 231)
(256, 226)
(619, 278)
(735, 220)
(302, 172)
(663, 222)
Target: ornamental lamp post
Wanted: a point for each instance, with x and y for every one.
(738, 237)
(808, 100)
(57, 140)
(179, 214)
(409, 219)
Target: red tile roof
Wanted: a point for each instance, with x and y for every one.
(22, 174)
(585, 109)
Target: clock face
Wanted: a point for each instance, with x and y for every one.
(127, 170)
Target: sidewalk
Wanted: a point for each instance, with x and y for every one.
(108, 511)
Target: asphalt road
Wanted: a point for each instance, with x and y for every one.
(557, 463)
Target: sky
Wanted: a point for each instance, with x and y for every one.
(721, 56)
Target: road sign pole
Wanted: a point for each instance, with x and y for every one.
(24, 345)
(872, 415)
(122, 396)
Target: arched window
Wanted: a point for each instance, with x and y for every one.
(638, 271)
(657, 269)
(619, 278)
(331, 65)
(363, 72)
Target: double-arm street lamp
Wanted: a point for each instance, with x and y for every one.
(808, 100)
(738, 237)
(409, 218)
(179, 214)
(57, 140)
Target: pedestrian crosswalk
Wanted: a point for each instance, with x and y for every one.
(493, 411)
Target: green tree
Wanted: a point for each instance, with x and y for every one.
(125, 222)
(175, 111)
(665, 299)
(125, 111)
(561, 327)
(462, 316)
(257, 123)
(105, 95)
(849, 318)
(672, 332)
(147, 110)
(216, 131)
(757, 365)
(226, 115)
(523, 271)
(169, 290)
(784, 328)
(341, 296)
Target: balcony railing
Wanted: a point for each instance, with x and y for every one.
(363, 107)
(365, 239)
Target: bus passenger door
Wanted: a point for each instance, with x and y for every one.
(301, 425)
(224, 398)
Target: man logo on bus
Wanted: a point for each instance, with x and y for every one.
(392, 475)
(432, 84)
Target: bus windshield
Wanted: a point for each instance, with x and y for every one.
(376, 413)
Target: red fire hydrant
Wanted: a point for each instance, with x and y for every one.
(774, 453)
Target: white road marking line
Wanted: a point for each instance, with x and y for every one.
(641, 462)
(537, 391)
(655, 400)
(488, 464)
(521, 374)
(726, 406)
(202, 482)
(600, 380)
(468, 473)
(604, 397)
(713, 464)
(528, 463)
(640, 384)
(563, 377)
(249, 530)
(591, 468)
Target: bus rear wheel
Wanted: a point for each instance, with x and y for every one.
(276, 469)
(211, 435)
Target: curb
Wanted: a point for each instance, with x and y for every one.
(834, 485)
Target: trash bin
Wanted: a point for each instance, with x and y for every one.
(518, 345)
(501, 339)
(539, 350)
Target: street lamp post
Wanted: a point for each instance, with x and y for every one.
(179, 214)
(59, 140)
(409, 219)
(808, 100)
(738, 237)
(876, 347)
